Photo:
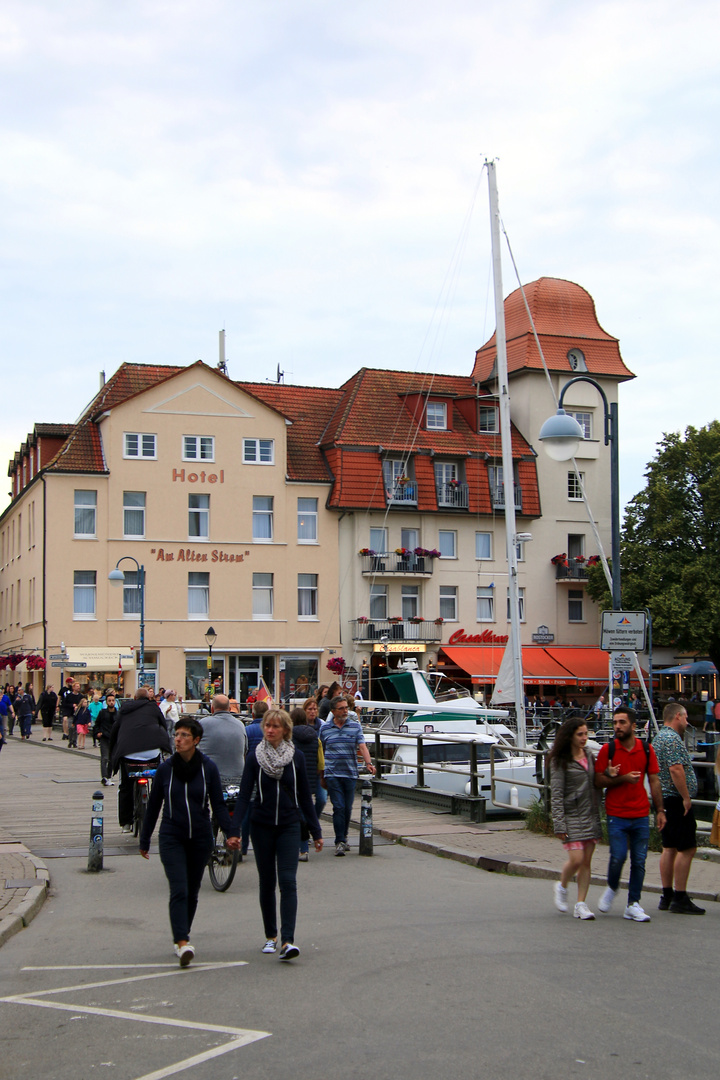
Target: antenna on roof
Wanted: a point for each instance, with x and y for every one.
(280, 375)
(222, 363)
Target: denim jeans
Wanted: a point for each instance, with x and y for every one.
(624, 833)
(341, 790)
(276, 851)
(321, 797)
(184, 862)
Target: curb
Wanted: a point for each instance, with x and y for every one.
(500, 865)
(25, 911)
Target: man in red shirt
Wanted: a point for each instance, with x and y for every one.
(628, 809)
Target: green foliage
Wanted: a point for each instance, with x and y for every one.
(671, 543)
(538, 818)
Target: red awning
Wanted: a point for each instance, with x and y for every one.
(483, 661)
(559, 665)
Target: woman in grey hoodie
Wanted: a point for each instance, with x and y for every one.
(575, 810)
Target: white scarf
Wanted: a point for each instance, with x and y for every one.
(273, 760)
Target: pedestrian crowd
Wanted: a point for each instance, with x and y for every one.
(623, 767)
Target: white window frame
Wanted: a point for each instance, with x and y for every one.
(130, 509)
(452, 533)
(79, 507)
(574, 491)
(481, 557)
(585, 420)
(141, 452)
(409, 601)
(194, 448)
(89, 588)
(521, 603)
(576, 596)
(263, 514)
(484, 414)
(485, 593)
(448, 594)
(131, 595)
(308, 590)
(436, 416)
(379, 531)
(378, 593)
(196, 588)
(308, 518)
(258, 451)
(266, 587)
(198, 516)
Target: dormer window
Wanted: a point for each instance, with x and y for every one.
(436, 416)
(577, 360)
(487, 418)
(398, 485)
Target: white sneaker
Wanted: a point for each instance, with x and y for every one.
(636, 913)
(582, 911)
(184, 953)
(606, 900)
(560, 897)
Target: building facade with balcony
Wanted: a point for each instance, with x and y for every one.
(367, 519)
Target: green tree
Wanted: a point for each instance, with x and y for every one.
(670, 549)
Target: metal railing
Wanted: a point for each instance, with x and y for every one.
(453, 494)
(390, 562)
(426, 631)
(405, 492)
(498, 496)
(472, 771)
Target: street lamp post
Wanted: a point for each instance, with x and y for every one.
(561, 435)
(211, 638)
(117, 578)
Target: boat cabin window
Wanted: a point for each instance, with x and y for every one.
(435, 753)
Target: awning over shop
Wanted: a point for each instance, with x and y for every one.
(98, 659)
(483, 661)
(559, 665)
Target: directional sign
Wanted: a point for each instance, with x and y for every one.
(66, 663)
(623, 630)
(59, 656)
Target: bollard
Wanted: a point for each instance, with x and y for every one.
(366, 825)
(95, 852)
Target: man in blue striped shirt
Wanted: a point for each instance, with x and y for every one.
(341, 739)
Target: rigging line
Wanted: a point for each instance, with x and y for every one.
(591, 516)
(529, 315)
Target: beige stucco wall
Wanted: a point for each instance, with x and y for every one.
(197, 402)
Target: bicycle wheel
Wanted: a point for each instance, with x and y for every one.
(139, 807)
(222, 863)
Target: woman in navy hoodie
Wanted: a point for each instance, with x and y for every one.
(183, 786)
(282, 798)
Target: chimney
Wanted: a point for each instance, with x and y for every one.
(102, 379)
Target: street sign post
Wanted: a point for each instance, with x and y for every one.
(623, 631)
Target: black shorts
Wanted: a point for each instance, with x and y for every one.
(680, 830)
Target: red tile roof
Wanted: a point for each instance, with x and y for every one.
(564, 316)
(308, 408)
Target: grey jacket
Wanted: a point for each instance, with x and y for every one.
(575, 800)
(224, 742)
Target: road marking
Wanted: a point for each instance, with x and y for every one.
(199, 968)
(240, 1036)
(128, 967)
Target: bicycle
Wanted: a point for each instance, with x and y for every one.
(142, 783)
(223, 861)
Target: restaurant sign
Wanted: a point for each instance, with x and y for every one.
(486, 638)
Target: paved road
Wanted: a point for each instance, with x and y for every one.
(411, 966)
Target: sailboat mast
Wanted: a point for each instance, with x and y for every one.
(507, 459)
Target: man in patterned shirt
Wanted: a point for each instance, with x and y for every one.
(679, 786)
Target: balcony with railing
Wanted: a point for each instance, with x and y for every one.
(498, 496)
(571, 570)
(425, 631)
(453, 494)
(401, 491)
(397, 563)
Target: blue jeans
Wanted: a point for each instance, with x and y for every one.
(341, 790)
(276, 856)
(321, 797)
(635, 834)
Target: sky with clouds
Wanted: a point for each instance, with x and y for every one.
(308, 175)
